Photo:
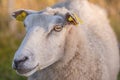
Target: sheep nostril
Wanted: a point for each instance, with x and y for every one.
(24, 59)
(20, 62)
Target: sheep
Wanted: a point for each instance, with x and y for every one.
(58, 46)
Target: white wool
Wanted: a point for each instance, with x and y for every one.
(96, 43)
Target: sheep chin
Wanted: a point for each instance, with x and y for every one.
(27, 74)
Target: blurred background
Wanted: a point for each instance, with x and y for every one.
(12, 32)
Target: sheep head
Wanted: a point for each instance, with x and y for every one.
(45, 37)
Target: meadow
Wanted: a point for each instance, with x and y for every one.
(12, 32)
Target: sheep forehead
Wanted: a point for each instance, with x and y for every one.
(37, 19)
(42, 20)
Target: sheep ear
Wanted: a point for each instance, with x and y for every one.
(72, 18)
(20, 15)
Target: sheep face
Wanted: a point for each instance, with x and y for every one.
(43, 44)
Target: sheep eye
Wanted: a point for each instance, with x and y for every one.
(58, 28)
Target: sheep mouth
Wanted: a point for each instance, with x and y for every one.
(25, 71)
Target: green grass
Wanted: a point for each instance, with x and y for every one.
(119, 76)
(8, 45)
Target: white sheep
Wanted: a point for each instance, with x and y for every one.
(58, 47)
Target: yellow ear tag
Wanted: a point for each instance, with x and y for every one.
(74, 19)
(70, 19)
(78, 19)
(21, 16)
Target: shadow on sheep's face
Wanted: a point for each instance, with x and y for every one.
(43, 44)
